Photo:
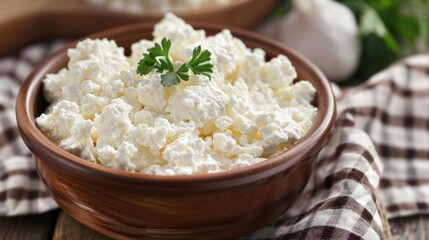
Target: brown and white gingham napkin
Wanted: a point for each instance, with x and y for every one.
(21, 191)
(393, 108)
(381, 143)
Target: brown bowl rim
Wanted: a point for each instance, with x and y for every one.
(40, 143)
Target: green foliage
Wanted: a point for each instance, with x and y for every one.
(281, 8)
(389, 30)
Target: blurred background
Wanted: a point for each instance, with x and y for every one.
(349, 40)
(387, 30)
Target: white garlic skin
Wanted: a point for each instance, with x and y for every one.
(326, 33)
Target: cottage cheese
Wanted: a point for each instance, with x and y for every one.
(154, 5)
(102, 111)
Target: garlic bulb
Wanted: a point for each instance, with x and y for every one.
(325, 32)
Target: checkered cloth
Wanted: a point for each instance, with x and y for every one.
(21, 191)
(380, 144)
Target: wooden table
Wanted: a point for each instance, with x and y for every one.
(59, 225)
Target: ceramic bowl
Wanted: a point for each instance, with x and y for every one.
(127, 205)
(23, 22)
(237, 13)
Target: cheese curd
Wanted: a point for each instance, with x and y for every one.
(104, 112)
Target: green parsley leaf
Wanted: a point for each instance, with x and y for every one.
(158, 59)
(198, 63)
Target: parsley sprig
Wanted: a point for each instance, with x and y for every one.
(157, 59)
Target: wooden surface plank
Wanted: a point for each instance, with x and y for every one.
(68, 228)
(42, 227)
(31, 227)
(409, 228)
